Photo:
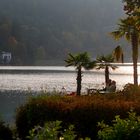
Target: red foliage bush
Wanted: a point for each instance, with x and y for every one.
(84, 111)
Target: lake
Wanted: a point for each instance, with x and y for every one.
(55, 77)
(50, 78)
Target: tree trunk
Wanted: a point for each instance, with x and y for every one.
(106, 75)
(135, 57)
(79, 79)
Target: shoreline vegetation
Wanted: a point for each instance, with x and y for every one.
(84, 112)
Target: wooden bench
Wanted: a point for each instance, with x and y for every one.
(91, 91)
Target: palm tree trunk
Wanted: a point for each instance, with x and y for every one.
(135, 57)
(106, 75)
(79, 79)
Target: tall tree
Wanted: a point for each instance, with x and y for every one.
(79, 61)
(127, 28)
(105, 62)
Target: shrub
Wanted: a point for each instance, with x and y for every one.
(83, 112)
(52, 131)
(121, 129)
(5, 132)
(131, 89)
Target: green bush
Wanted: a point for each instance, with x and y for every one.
(121, 129)
(5, 132)
(52, 131)
(83, 112)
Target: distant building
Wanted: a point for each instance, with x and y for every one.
(5, 57)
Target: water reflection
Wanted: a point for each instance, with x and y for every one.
(48, 78)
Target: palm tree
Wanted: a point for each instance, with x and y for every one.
(131, 7)
(118, 54)
(128, 29)
(105, 62)
(81, 60)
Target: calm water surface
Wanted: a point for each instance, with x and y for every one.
(54, 78)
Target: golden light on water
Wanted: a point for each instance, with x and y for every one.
(124, 70)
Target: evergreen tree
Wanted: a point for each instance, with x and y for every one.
(127, 28)
(105, 62)
(79, 61)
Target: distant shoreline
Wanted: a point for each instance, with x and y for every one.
(47, 69)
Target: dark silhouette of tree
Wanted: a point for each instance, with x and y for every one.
(105, 62)
(118, 54)
(127, 28)
(79, 61)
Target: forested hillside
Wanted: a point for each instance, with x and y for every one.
(43, 32)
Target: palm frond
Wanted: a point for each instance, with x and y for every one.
(116, 35)
(113, 67)
(103, 61)
(90, 65)
(125, 28)
(79, 60)
(118, 54)
(98, 67)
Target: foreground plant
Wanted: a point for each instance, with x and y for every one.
(52, 131)
(121, 129)
(5, 131)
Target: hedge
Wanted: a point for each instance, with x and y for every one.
(84, 112)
